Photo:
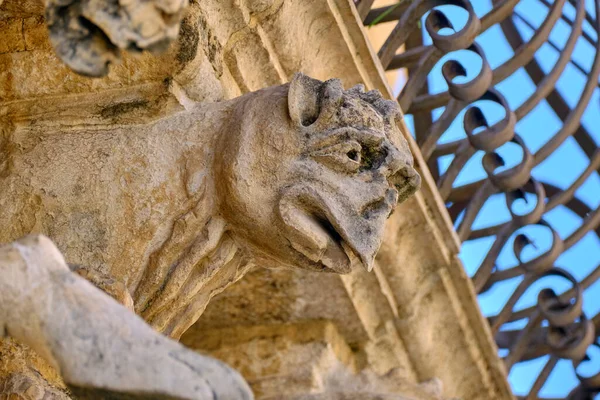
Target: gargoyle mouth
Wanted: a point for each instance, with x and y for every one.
(315, 233)
(338, 255)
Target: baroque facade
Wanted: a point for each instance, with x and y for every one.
(232, 172)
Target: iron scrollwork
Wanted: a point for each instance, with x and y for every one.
(556, 327)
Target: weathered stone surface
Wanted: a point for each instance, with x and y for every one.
(289, 361)
(115, 289)
(350, 396)
(87, 34)
(303, 175)
(227, 48)
(23, 8)
(101, 349)
(29, 387)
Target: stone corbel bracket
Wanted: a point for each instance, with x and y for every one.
(101, 349)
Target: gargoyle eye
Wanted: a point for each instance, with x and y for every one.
(343, 157)
(354, 155)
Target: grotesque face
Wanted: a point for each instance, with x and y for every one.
(313, 173)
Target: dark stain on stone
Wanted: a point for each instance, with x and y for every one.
(6, 81)
(7, 147)
(88, 393)
(212, 47)
(188, 41)
(116, 110)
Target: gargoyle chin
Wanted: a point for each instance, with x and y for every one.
(302, 175)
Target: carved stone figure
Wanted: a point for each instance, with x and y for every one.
(300, 175)
(172, 209)
(87, 35)
(101, 349)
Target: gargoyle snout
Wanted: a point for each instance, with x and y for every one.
(407, 181)
(401, 174)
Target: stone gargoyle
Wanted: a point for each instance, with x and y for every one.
(164, 214)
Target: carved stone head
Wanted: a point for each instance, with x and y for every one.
(313, 173)
(299, 175)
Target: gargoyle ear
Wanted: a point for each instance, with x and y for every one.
(303, 99)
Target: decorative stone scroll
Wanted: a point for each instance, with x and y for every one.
(87, 34)
(165, 212)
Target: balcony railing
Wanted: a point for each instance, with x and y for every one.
(541, 91)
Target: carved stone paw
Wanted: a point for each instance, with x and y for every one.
(87, 34)
(25, 387)
(101, 349)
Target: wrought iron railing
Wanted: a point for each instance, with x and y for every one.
(555, 328)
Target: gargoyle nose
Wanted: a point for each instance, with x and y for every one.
(407, 181)
(401, 174)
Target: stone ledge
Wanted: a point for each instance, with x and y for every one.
(302, 361)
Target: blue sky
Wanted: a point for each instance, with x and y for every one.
(560, 169)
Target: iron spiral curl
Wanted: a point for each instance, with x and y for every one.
(556, 327)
